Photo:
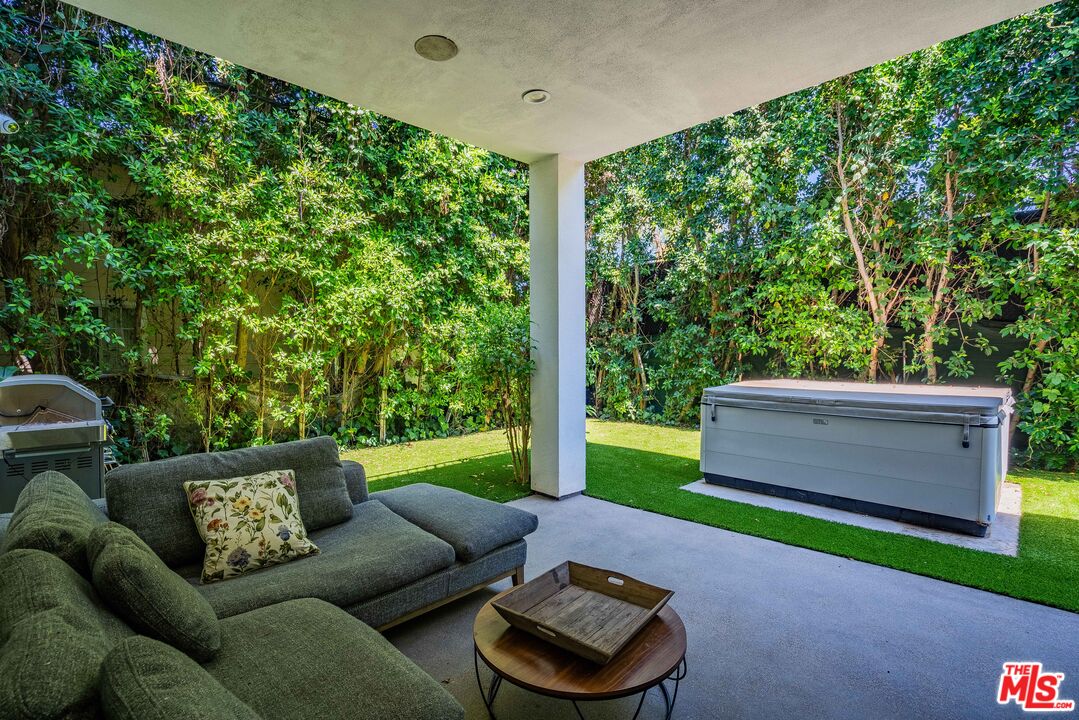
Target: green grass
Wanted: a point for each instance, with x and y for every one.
(478, 464)
(644, 467)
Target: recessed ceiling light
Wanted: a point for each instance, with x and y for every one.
(436, 47)
(535, 97)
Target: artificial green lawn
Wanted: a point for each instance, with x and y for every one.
(478, 464)
(644, 466)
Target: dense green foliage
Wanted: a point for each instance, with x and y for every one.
(238, 260)
(859, 228)
(234, 258)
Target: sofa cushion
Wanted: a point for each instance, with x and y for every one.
(143, 679)
(55, 515)
(54, 634)
(49, 669)
(148, 595)
(374, 552)
(473, 526)
(324, 664)
(355, 479)
(149, 497)
(460, 577)
(248, 523)
(34, 581)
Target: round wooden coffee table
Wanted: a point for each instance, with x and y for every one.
(657, 654)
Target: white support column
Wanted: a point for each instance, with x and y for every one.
(556, 247)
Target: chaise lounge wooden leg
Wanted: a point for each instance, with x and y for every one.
(518, 576)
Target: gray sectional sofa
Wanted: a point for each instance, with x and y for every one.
(384, 558)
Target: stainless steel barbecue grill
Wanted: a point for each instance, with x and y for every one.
(50, 422)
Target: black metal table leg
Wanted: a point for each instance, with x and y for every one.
(496, 682)
(637, 712)
(670, 697)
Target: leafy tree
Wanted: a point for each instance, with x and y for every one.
(497, 356)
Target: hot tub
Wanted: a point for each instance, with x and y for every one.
(929, 455)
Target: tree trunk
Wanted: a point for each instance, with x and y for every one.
(207, 434)
(384, 393)
(1028, 383)
(642, 378)
(928, 352)
(517, 427)
(874, 360)
(877, 311)
(383, 401)
(1039, 347)
(301, 415)
(241, 346)
(638, 361)
(601, 374)
(262, 398)
(937, 313)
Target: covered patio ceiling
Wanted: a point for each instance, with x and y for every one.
(619, 72)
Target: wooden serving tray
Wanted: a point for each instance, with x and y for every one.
(588, 611)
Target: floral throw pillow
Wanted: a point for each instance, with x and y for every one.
(248, 523)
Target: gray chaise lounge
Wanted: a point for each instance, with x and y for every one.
(384, 557)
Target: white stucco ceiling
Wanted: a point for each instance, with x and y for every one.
(620, 73)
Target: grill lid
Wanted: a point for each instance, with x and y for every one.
(42, 412)
(21, 396)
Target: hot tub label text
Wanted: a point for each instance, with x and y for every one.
(1025, 684)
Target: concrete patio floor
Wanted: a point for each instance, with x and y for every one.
(774, 631)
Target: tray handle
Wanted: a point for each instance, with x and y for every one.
(546, 630)
(615, 579)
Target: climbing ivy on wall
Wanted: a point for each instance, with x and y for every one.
(288, 264)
